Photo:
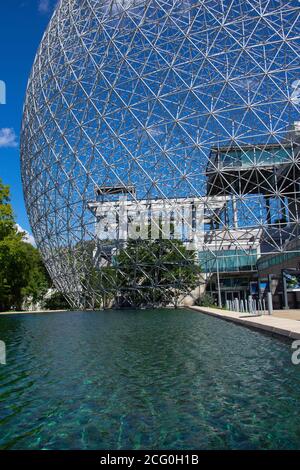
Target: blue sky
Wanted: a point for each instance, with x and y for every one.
(22, 23)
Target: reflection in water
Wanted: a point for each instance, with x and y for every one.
(148, 379)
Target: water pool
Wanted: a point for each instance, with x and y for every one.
(164, 379)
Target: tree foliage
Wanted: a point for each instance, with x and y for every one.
(7, 223)
(156, 272)
(56, 302)
(22, 273)
(144, 273)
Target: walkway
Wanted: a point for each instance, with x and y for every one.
(271, 323)
(291, 314)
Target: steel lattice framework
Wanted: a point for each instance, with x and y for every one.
(143, 106)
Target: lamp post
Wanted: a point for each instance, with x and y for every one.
(218, 285)
(218, 275)
(284, 290)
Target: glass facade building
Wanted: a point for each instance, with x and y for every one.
(228, 261)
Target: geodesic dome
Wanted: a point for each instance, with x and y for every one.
(186, 108)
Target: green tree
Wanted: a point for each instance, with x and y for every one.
(7, 222)
(143, 273)
(22, 272)
(38, 281)
(155, 272)
(15, 273)
(101, 285)
(57, 302)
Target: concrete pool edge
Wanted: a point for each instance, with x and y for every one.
(274, 325)
(32, 312)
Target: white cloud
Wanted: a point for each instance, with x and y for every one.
(27, 237)
(8, 138)
(44, 6)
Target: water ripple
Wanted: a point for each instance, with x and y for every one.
(145, 380)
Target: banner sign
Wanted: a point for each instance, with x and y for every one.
(292, 280)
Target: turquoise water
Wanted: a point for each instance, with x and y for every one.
(148, 379)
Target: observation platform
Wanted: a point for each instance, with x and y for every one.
(253, 169)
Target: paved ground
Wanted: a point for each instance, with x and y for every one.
(283, 326)
(289, 314)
